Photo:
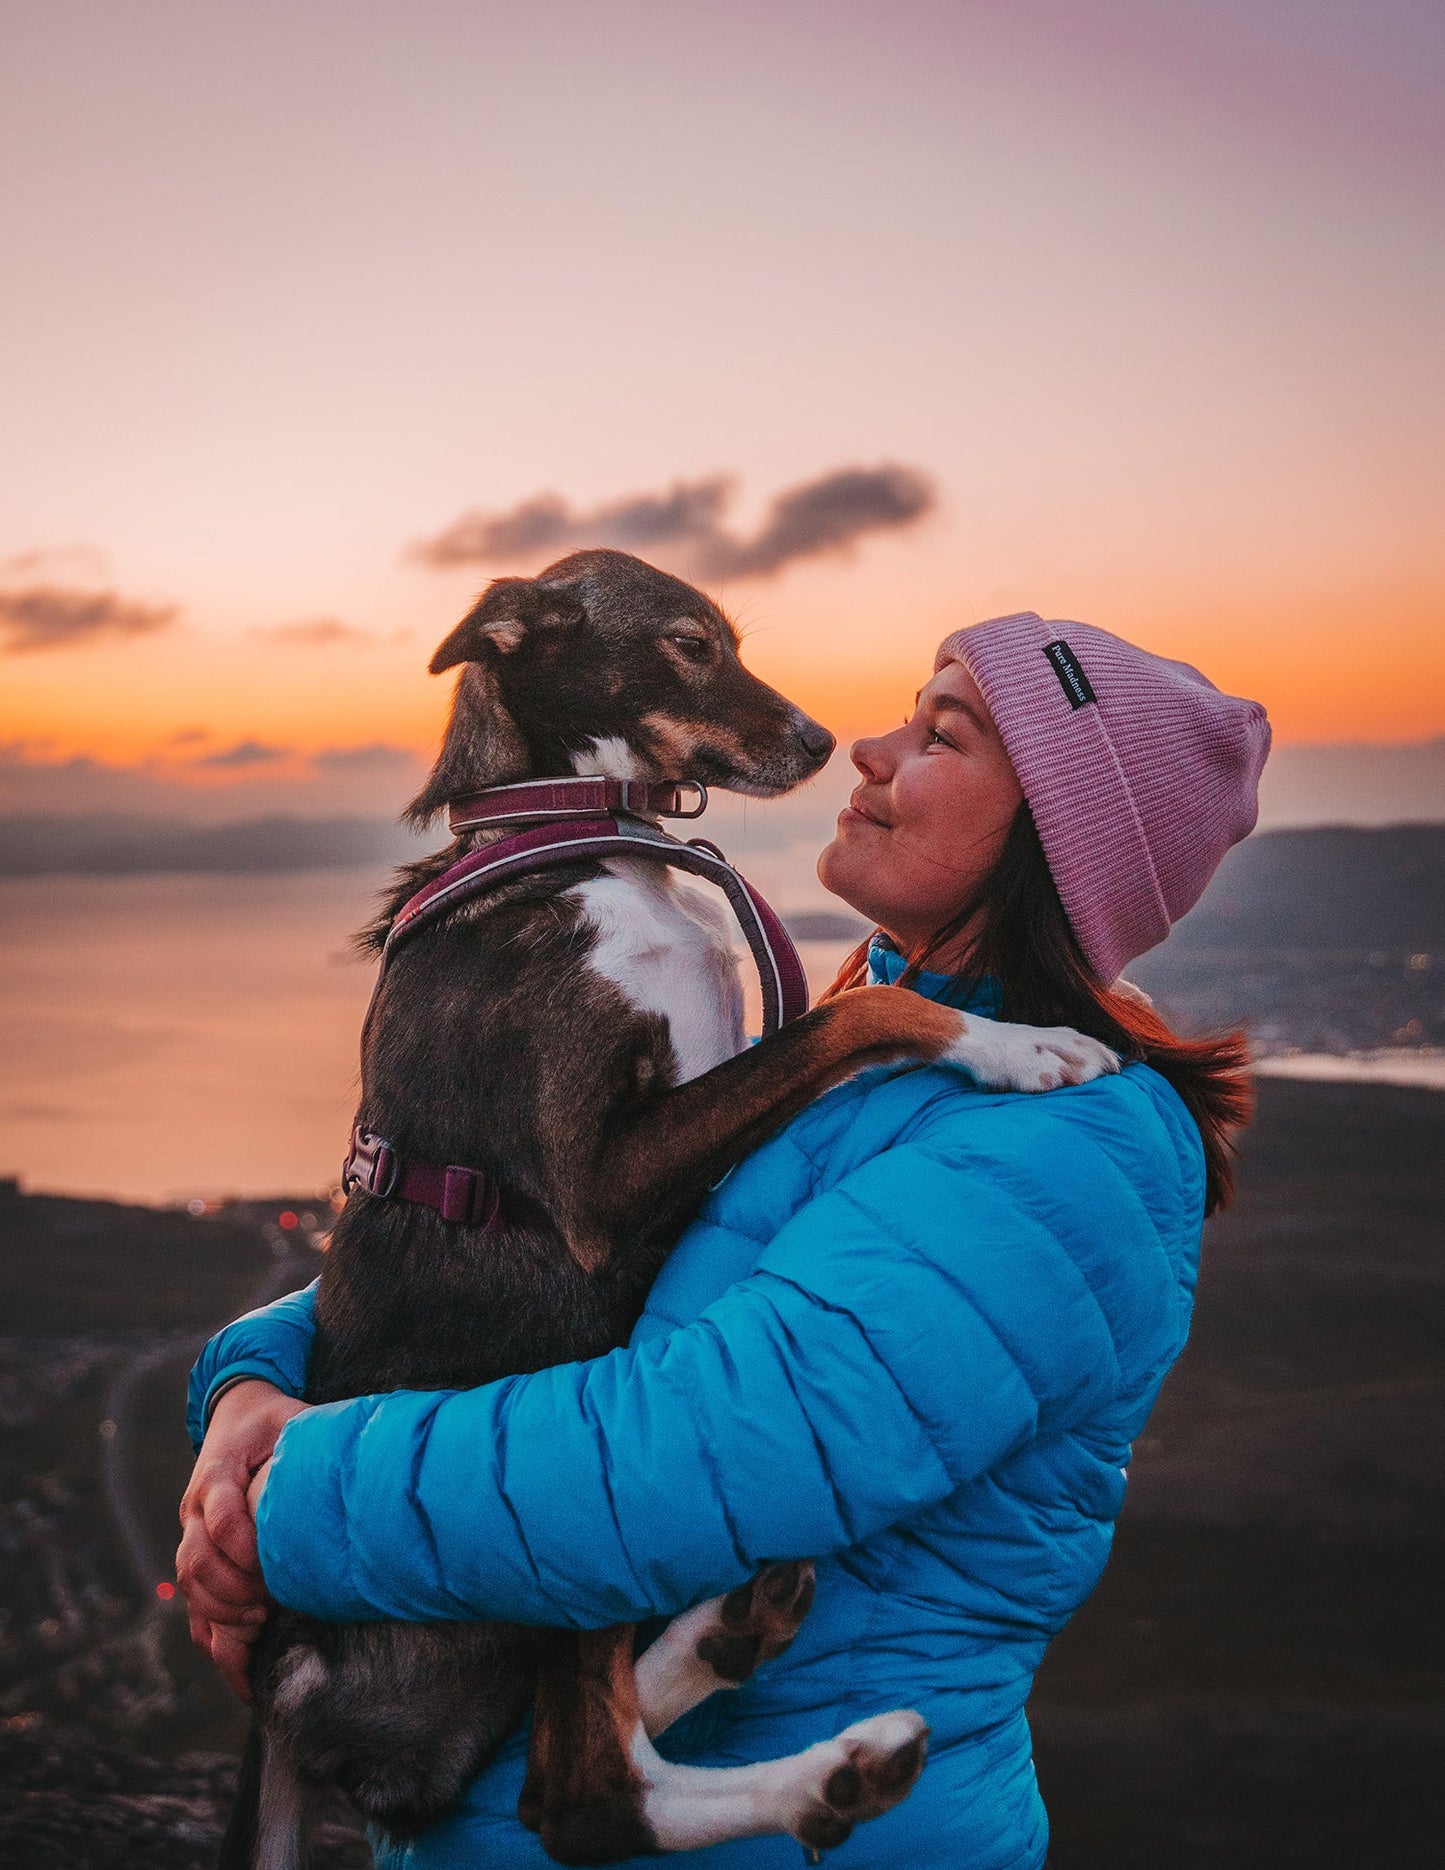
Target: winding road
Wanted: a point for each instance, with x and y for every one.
(149, 1552)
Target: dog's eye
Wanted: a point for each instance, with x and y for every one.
(693, 647)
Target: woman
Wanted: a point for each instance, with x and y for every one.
(912, 1336)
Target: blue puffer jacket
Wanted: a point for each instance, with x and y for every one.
(912, 1336)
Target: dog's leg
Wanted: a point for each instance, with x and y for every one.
(656, 1162)
(281, 1821)
(583, 1792)
(816, 1796)
(598, 1791)
(718, 1644)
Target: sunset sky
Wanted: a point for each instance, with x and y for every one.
(1148, 298)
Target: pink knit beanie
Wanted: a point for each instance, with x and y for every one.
(1140, 774)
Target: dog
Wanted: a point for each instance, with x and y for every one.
(575, 1033)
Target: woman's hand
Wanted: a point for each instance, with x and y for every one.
(217, 1567)
(256, 1489)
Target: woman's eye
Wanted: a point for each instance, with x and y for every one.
(692, 647)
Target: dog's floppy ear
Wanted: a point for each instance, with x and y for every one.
(482, 746)
(502, 616)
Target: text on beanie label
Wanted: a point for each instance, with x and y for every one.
(1072, 679)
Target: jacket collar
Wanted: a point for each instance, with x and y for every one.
(886, 965)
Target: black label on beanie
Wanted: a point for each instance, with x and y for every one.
(1072, 680)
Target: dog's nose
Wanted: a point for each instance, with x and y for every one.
(818, 743)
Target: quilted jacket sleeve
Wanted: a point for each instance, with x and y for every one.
(937, 1308)
(273, 1342)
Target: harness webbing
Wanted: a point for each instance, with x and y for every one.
(463, 1194)
(784, 984)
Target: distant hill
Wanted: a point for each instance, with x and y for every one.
(1335, 886)
(1330, 887)
(71, 1265)
(118, 845)
(1328, 940)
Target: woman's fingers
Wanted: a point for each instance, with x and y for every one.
(217, 1588)
(201, 1560)
(226, 1514)
(217, 1565)
(229, 1646)
(231, 1652)
(254, 1492)
(211, 1607)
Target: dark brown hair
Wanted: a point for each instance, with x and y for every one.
(1025, 942)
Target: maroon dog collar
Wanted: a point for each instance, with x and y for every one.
(548, 801)
(469, 1195)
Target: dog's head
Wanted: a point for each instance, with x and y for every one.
(603, 664)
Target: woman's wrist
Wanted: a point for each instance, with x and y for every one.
(250, 1413)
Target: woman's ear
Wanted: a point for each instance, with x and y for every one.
(501, 617)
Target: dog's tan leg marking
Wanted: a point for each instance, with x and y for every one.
(583, 1792)
(718, 1644)
(657, 1158)
(816, 1796)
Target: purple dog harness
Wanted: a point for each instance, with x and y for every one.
(572, 820)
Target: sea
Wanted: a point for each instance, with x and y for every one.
(177, 1038)
(184, 1038)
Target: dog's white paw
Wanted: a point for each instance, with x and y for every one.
(1005, 1057)
(866, 1771)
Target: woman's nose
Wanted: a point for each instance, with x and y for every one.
(870, 756)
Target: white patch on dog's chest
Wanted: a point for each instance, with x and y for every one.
(666, 948)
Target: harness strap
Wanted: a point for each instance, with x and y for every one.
(457, 1193)
(470, 1195)
(784, 984)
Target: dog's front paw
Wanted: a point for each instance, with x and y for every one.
(1005, 1057)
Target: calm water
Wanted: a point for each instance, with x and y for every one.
(163, 1037)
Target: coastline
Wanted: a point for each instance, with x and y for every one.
(1421, 1068)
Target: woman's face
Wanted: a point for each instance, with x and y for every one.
(929, 816)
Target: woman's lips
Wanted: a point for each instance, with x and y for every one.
(854, 811)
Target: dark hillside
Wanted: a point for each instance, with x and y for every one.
(103, 844)
(1256, 1684)
(1329, 940)
(102, 1699)
(1259, 1679)
(1332, 886)
(74, 1266)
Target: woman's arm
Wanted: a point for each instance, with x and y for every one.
(902, 1334)
(272, 1344)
